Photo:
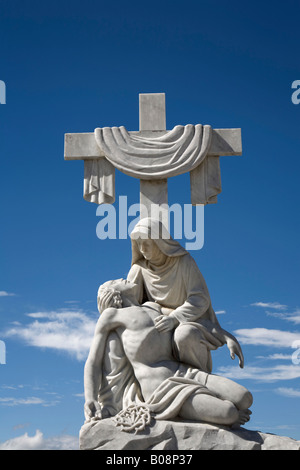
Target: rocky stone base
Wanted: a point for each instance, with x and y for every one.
(179, 435)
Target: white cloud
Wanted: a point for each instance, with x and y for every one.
(10, 401)
(261, 374)
(266, 337)
(275, 305)
(288, 392)
(64, 330)
(293, 317)
(275, 357)
(16, 401)
(39, 442)
(3, 293)
(220, 312)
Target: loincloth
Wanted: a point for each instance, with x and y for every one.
(167, 400)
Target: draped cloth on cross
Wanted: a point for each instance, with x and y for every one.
(181, 150)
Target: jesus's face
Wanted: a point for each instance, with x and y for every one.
(119, 286)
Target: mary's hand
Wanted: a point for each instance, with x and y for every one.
(165, 323)
(235, 350)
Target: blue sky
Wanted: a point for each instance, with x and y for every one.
(74, 68)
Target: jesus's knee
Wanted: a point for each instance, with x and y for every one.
(209, 409)
(245, 401)
(241, 397)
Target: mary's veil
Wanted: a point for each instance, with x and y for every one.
(156, 231)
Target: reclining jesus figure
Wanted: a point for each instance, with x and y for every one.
(167, 388)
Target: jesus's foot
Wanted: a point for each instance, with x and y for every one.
(244, 417)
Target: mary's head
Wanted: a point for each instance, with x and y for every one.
(152, 241)
(150, 251)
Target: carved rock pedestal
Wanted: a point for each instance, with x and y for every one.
(179, 435)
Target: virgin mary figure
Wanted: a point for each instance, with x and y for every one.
(168, 275)
(166, 279)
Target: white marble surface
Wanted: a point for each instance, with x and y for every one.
(151, 352)
(183, 435)
(205, 176)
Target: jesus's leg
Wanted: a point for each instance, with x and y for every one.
(227, 389)
(201, 407)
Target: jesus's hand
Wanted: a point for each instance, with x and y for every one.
(92, 410)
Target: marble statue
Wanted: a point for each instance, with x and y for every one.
(161, 386)
(150, 358)
(163, 307)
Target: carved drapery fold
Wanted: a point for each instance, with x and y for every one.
(181, 150)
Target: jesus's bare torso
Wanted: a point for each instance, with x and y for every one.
(148, 350)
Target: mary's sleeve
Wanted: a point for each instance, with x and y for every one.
(135, 275)
(197, 301)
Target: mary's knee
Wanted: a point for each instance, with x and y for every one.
(186, 334)
(181, 334)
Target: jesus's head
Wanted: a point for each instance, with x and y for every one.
(117, 293)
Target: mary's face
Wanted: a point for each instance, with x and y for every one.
(148, 248)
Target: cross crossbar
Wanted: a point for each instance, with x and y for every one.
(152, 123)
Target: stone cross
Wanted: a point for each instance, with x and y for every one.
(152, 123)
